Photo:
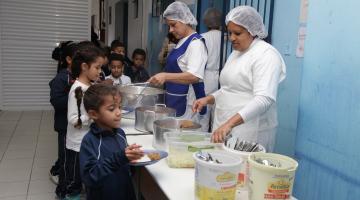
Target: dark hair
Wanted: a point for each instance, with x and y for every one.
(115, 56)
(94, 95)
(87, 53)
(139, 52)
(116, 43)
(212, 18)
(65, 49)
(78, 96)
(107, 51)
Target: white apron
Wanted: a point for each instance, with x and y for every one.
(237, 91)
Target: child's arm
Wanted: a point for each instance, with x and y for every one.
(73, 113)
(94, 171)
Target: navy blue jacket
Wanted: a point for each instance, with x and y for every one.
(59, 93)
(137, 76)
(103, 165)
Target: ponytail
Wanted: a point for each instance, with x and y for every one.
(78, 95)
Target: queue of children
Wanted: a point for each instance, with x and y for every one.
(92, 148)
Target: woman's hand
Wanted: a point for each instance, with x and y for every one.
(200, 103)
(158, 79)
(133, 152)
(219, 134)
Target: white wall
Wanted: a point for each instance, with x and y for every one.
(134, 27)
(95, 11)
(110, 28)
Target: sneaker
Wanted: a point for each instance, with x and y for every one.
(54, 179)
(75, 197)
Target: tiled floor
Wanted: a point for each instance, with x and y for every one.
(28, 146)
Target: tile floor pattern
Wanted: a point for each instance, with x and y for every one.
(28, 148)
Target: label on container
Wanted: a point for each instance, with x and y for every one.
(278, 190)
(206, 193)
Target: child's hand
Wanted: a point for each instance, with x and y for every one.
(133, 152)
(107, 81)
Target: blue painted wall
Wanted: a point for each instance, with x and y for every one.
(284, 38)
(328, 135)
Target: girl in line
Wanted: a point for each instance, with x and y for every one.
(86, 67)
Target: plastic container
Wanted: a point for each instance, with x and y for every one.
(244, 172)
(182, 145)
(270, 182)
(171, 124)
(215, 181)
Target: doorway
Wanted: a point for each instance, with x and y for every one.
(121, 21)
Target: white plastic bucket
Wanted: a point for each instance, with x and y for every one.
(242, 182)
(215, 181)
(268, 182)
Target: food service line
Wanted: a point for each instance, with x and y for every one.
(175, 183)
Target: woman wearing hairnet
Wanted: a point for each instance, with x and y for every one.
(246, 102)
(185, 65)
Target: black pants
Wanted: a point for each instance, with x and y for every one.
(58, 169)
(55, 169)
(72, 173)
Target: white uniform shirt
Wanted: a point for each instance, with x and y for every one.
(193, 61)
(247, 75)
(258, 71)
(74, 135)
(124, 79)
(213, 44)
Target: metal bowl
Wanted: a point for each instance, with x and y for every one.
(170, 124)
(136, 95)
(146, 115)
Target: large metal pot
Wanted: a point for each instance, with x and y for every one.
(170, 124)
(146, 115)
(139, 94)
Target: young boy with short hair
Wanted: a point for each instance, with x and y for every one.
(116, 65)
(118, 47)
(104, 153)
(137, 72)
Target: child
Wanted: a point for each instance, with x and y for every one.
(104, 153)
(59, 92)
(105, 71)
(116, 64)
(119, 48)
(137, 72)
(86, 66)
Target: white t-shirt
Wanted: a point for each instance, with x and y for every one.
(119, 81)
(193, 61)
(74, 135)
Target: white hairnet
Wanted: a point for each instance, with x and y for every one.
(249, 18)
(212, 18)
(179, 11)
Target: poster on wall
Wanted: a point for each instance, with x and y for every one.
(304, 4)
(303, 11)
(301, 42)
